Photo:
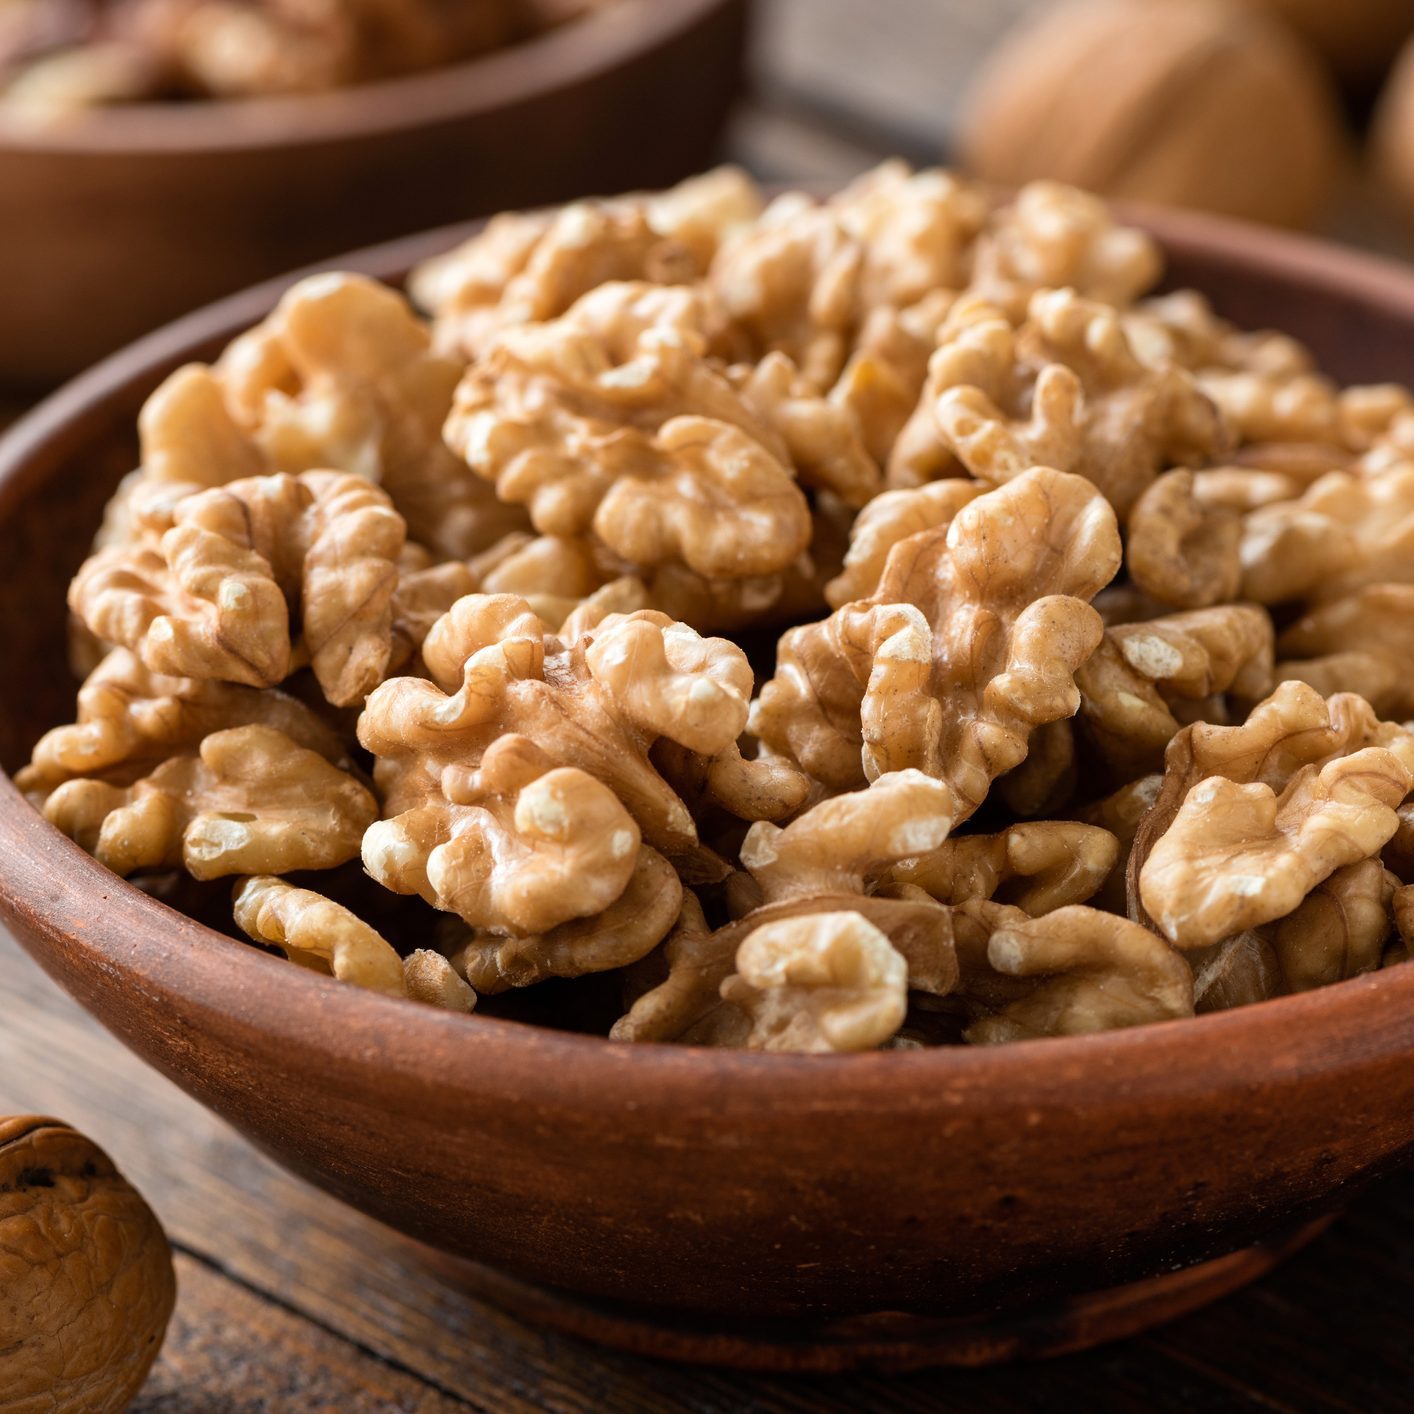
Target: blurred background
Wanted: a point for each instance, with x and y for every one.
(157, 153)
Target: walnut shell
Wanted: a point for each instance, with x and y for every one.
(1356, 37)
(1392, 133)
(86, 1279)
(1189, 105)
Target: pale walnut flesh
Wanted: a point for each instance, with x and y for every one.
(1146, 677)
(1181, 551)
(598, 705)
(969, 642)
(516, 845)
(1240, 855)
(1087, 971)
(618, 936)
(251, 802)
(86, 1279)
(130, 719)
(216, 597)
(822, 983)
(318, 933)
(685, 1002)
(1064, 390)
(1038, 866)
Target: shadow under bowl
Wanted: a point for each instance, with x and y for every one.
(714, 1186)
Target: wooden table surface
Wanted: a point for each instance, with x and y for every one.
(291, 1302)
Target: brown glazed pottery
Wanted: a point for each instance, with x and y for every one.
(126, 217)
(800, 1212)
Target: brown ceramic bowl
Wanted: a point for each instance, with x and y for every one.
(127, 217)
(774, 1197)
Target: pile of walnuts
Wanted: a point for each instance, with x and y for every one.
(817, 626)
(60, 55)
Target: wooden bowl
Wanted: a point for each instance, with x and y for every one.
(788, 1201)
(127, 217)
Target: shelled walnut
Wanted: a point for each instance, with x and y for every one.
(832, 624)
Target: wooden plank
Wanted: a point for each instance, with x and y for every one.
(246, 1355)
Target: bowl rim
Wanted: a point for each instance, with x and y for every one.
(50, 884)
(563, 57)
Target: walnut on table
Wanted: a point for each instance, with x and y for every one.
(85, 1271)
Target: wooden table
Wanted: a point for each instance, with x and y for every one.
(293, 1304)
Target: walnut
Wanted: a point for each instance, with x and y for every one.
(1242, 489)
(825, 437)
(824, 982)
(611, 420)
(1338, 931)
(1053, 237)
(618, 936)
(1065, 390)
(342, 376)
(597, 705)
(1144, 675)
(527, 268)
(215, 598)
(1187, 105)
(1085, 971)
(1251, 819)
(1359, 643)
(131, 719)
(970, 642)
(1180, 550)
(1038, 866)
(884, 522)
(249, 802)
(429, 978)
(805, 277)
(1342, 533)
(317, 933)
(85, 1271)
(827, 862)
(1236, 972)
(849, 842)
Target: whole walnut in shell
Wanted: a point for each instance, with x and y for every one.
(1356, 37)
(86, 1280)
(1195, 104)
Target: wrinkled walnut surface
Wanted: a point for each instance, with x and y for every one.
(803, 625)
(86, 1279)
